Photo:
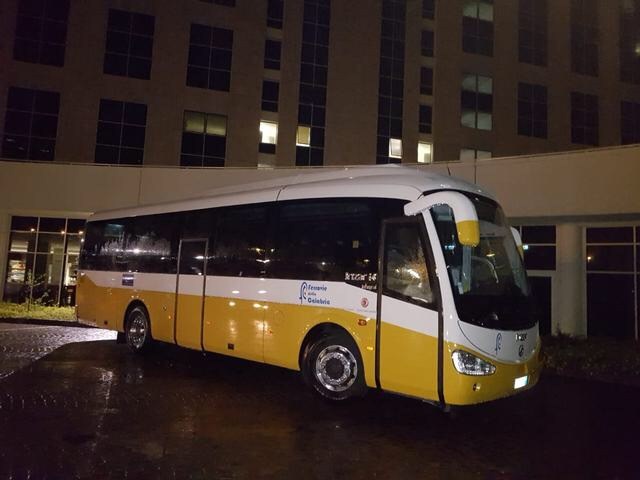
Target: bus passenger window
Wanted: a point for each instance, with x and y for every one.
(405, 267)
(240, 242)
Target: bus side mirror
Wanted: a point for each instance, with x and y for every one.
(464, 213)
(518, 240)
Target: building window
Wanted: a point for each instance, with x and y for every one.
(129, 44)
(42, 260)
(268, 137)
(272, 54)
(477, 27)
(395, 148)
(629, 123)
(41, 32)
(532, 32)
(210, 51)
(629, 41)
(314, 62)
(584, 37)
(532, 110)
(30, 124)
(303, 136)
(426, 43)
(477, 102)
(424, 123)
(121, 132)
(426, 81)
(612, 276)
(584, 118)
(429, 9)
(424, 152)
(226, 3)
(204, 140)
(270, 92)
(474, 154)
(275, 13)
(391, 78)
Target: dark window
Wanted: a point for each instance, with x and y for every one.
(426, 43)
(539, 234)
(424, 124)
(210, 52)
(30, 124)
(429, 9)
(204, 140)
(532, 32)
(226, 3)
(41, 31)
(476, 100)
(314, 62)
(477, 27)
(129, 44)
(629, 122)
(121, 132)
(26, 224)
(275, 13)
(584, 118)
(270, 92)
(610, 235)
(426, 81)
(612, 266)
(584, 37)
(272, 53)
(610, 305)
(240, 243)
(629, 41)
(391, 80)
(532, 110)
(332, 240)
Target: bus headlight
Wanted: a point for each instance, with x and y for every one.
(469, 364)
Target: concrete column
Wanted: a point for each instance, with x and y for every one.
(569, 291)
(5, 227)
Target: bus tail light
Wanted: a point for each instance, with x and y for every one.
(469, 364)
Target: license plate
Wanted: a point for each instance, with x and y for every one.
(520, 382)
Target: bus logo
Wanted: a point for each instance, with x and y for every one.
(521, 350)
(303, 292)
(498, 343)
(364, 302)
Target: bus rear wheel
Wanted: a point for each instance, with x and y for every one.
(137, 330)
(333, 367)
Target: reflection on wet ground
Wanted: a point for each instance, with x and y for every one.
(93, 410)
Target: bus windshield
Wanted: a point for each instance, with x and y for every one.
(488, 281)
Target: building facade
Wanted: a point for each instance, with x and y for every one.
(138, 91)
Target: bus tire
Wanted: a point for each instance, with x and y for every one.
(137, 330)
(333, 367)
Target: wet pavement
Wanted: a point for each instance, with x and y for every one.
(72, 406)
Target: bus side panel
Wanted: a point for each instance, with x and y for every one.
(96, 298)
(286, 326)
(234, 327)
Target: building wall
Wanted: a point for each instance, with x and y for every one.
(353, 74)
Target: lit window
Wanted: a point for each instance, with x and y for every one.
(268, 137)
(424, 152)
(303, 136)
(395, 148)
(268, 132)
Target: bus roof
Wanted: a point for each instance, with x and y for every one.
(384, 181)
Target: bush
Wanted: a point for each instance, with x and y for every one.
(37, 311)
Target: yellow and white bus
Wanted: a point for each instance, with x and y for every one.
(383, 277)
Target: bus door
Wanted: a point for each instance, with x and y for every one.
(190, 287)
(408, 313)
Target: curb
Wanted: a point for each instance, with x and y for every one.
(45, 323)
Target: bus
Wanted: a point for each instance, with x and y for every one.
(376, 277)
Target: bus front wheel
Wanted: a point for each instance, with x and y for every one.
(333, 367)
(138, 330)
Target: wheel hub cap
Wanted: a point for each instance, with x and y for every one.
(336, 368)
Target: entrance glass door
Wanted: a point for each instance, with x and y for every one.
(190, 286)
